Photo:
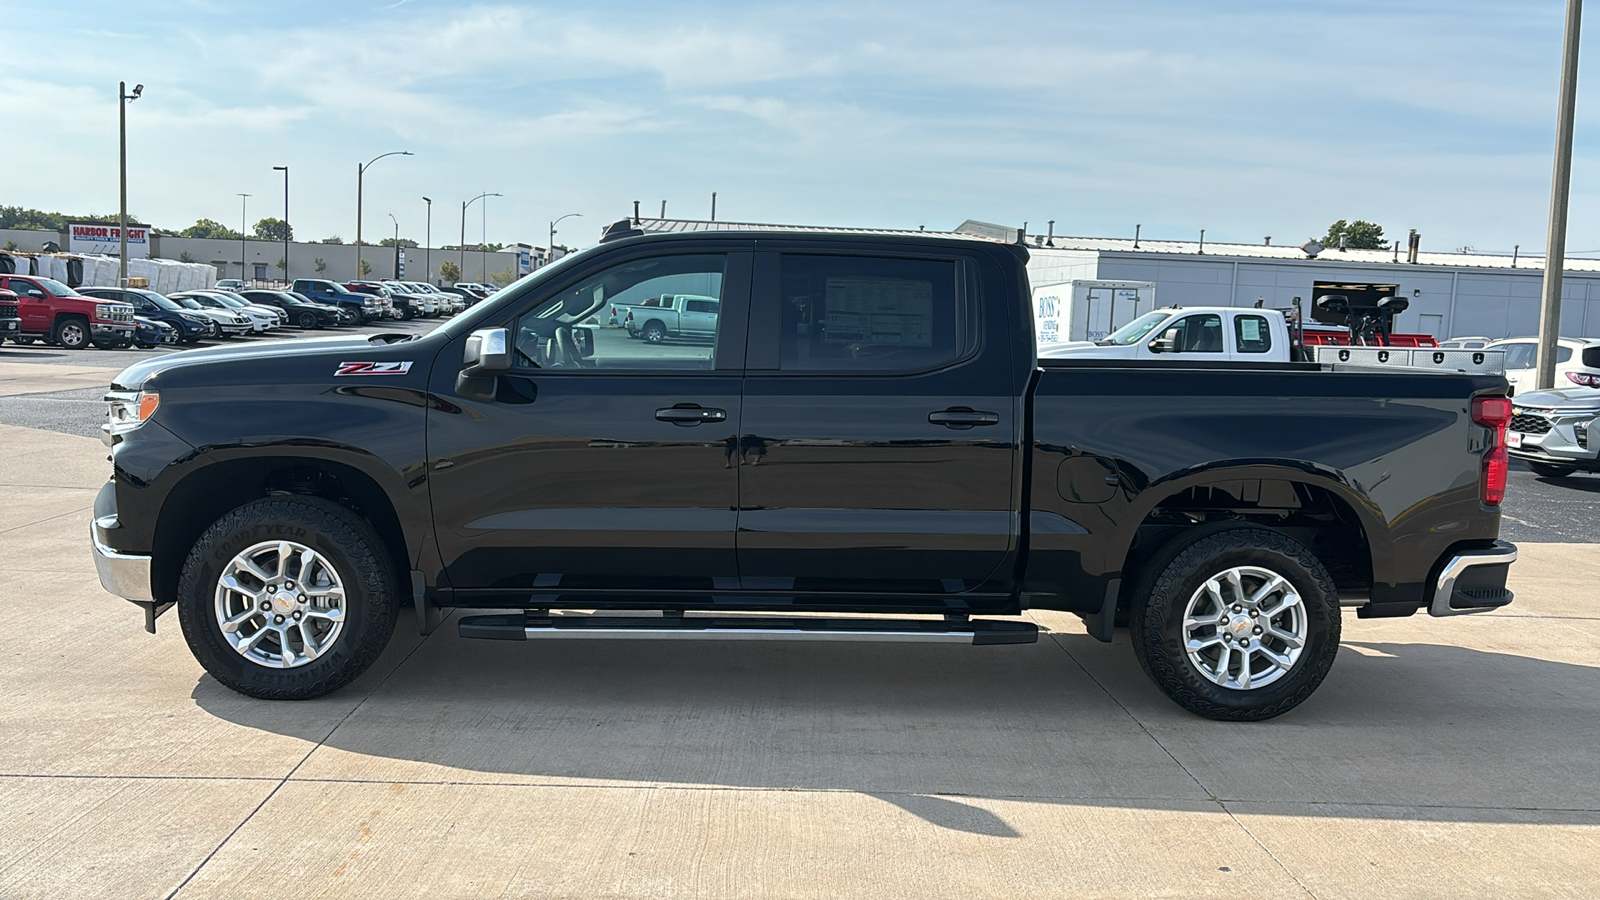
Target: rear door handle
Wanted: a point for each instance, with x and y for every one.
(690, 414)
(963, 417)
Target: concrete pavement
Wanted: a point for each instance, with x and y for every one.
(1442, 758)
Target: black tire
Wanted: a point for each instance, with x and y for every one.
(654, 332)
(102, 344)
(408, 314)
(371, 588)
(143, 346)
(308, 320)
(1548, 470)
(71, 332)
(1158, 635)
(23, 340)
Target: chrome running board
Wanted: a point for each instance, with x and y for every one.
(536, 626)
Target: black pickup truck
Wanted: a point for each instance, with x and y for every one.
(868, 450)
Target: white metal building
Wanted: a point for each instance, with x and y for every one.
(1451, 294)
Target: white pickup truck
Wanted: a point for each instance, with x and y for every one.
(1196, 332)
(672, 316)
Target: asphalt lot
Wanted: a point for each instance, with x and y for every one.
(1441, 758)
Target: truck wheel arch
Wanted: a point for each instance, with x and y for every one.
(207, 493)
(1345, 546)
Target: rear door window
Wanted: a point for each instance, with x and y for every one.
(1251, 334)
(876, 314)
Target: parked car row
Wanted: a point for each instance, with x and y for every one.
(34, 308)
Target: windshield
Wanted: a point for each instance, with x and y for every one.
(155, 298)
(1133, 331)
(55, 288)
(188, 302)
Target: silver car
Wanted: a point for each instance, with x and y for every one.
(1554, 431)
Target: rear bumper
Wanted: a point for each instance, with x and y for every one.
(1474, 581)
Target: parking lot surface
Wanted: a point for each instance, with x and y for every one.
(1441, 758)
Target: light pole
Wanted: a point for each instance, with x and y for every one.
(122, 153)
(427, 242)
(396, 246)
(360, 171)
(553, 233)
(285, 171)
(462, 256)
(244, 199)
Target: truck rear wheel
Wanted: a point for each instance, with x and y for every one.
(655, 333)
(287, 598)
(72, 333)
(1238, 625)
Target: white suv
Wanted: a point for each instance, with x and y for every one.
(1577, 362)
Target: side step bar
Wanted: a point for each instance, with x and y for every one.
(528, 627)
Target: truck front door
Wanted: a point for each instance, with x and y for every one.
(880, 431)
(602, 463)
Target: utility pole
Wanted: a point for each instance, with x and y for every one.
(285, 171)
(244, 199)
(427, 242)
(396, 246)
(713, 206)
(1560, 189)
(552, 256)
(122, 154)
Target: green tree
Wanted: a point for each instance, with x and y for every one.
(283, 266)
(335, 239)
(270, 229)
(404, 242)
(449, 271)
(209, 228)
(501, 279)
(11, 245)
(366, 268)
(322, 265)
(185, 257)
(1359, 235)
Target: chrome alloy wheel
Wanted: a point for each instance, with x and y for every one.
(280, 604)
(1244, 628)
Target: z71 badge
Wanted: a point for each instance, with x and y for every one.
(373, 368)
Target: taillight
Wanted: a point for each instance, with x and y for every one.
(1494, 413)
(1584, 378)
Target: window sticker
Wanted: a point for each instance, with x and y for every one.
(896, 311)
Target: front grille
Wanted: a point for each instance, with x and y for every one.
(1527, 423)
(8, 310)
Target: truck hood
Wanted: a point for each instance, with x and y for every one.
(1070, 349)
(137, 374)
(1561, 400)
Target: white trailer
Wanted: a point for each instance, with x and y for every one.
(1082, 310)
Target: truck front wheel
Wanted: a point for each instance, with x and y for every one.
(287, 598)
(1238, 625)
(72, 333)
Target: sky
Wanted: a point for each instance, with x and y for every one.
(1247, 119)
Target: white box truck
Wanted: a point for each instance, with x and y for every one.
(1082, 310)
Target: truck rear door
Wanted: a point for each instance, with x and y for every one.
(880, 427)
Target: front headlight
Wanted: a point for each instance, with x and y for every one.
(126, 411)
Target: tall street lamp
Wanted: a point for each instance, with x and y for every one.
(396, 246)
(243, 200)
(122, 153)
(462, 258)
(427, 242)
(553, 233)
(285, 171)
(361, 169)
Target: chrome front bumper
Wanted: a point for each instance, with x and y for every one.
(125, 574)
(1474, 581)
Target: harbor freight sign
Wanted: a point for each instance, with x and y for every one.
(103, 239)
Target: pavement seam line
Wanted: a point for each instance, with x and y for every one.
(285, 779)
(70, 512)
(1267, 850)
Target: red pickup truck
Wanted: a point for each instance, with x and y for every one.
(57, 314)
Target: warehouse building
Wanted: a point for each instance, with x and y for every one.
(1450, 294)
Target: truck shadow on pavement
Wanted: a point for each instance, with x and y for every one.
(1398, 730)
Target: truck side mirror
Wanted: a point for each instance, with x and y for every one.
(1167, 343)
(584, 339)
(486, 355)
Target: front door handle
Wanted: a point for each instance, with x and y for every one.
(690, 414)
(963, 417)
